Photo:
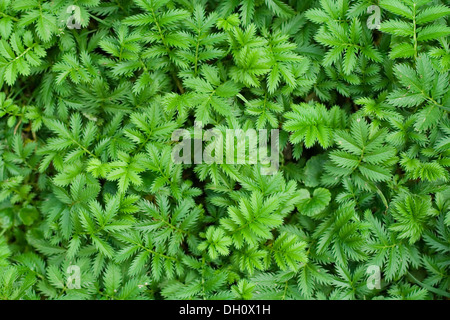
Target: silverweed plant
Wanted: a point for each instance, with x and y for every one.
(93, 205)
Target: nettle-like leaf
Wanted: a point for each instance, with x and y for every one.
(211, 93)
(411, 213)
(203, 40)
(341, 234)
(69, 67)
(126, 170)
(311, 123)
(15, 283)
(149, 128)
(388, 251)
(415, 21)
(42, 15)
(350, 284)
(265, 109)
(249, 53)
(216, 243)
(164, 34)
(72, 142)
(363, 155)
(346, 39)
(287, 251)
(425, 85)
(171, 226)
(18, 56)
(97, 221)
(283, 61)
(252, 219)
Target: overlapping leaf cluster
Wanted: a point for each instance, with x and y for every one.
(87, 178)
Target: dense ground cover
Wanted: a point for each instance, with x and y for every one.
(93, 206)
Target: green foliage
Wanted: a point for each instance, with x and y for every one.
(87, 178)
